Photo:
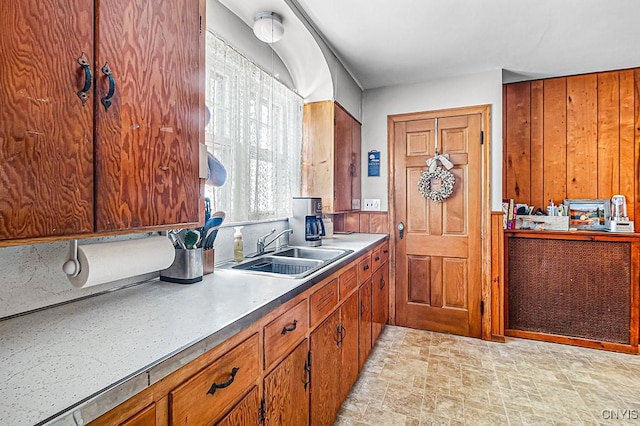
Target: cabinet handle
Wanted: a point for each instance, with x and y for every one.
(385, 251)
(340, 336)
(352, 170)
(377, 258)
(287, 328)
(215, 386)
(361, 309)
(83, 94)
(366, 268)
(106, 100)
(307, 374)
(382, 283)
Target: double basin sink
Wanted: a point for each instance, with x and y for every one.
(293, 262)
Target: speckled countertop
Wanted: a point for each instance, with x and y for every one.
(59, 365)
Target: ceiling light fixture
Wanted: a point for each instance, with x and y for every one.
(268, 27)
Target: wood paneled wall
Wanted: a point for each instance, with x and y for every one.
(573, 137)
(367, 222)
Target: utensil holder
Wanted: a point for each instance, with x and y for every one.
(186, 267)
(208, 259)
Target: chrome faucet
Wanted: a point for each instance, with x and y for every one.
(261, 244)
(261, 241)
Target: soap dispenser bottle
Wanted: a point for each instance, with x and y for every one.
(238, 248)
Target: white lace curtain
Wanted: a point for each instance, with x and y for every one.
(256, 132)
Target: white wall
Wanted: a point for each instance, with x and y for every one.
(474, 89)
(234, 31)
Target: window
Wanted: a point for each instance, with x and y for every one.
(256, 132)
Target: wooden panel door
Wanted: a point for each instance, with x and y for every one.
(286, 390)
(245, 412)
(380, 301)
(147, 139)
(343, 160)
(146, 417)
(356, 175)
(46, 133)
(438, 269)
(325, 377)
(364, 331)
(348, 345)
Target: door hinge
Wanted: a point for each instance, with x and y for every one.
(482, 307)
(481, 137)
(262, 411)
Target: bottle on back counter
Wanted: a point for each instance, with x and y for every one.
(238, 247)
(552, 209)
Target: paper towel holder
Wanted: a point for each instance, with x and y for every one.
(72, 266)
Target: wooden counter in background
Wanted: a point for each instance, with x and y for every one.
(577, 288)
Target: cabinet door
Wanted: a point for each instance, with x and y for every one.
(147, 139)
(348, 345)
(364, 331)
(46, 133)
(146, 417)
(356, 155)
(286, 390)
(245, 412)
(325, 377)
(343, 166)
(380, 302)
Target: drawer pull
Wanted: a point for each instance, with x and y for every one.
(377, 258)
(366, 268)
(215, 386)
(385, 251)
(382, 283)
(287, 328)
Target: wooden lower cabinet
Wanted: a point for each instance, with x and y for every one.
(246, 412)
(364, 324)
(146, 417)
(286, 390)
(380, 300)
(295, 366)
(348, 346)
(325, 376)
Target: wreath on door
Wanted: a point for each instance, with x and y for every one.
(436, 172)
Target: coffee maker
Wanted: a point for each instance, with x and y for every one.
(306, 222)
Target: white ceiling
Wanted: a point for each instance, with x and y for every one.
(385, 43)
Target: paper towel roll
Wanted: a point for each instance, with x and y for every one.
(106, 262)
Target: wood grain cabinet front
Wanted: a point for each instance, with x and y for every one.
(206, 396)
(348, 282)
(95, 133)
(323, 301)
(245, 412)
(331, 150)
(364, 269)
(364, 325)
(380, 300)
(146, 417)
(281, 334)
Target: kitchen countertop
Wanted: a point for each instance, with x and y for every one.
(69, 364)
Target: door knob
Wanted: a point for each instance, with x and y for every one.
(401, 229)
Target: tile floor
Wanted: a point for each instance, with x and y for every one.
(418, 377)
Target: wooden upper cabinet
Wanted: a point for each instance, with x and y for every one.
(147, 139)
(76, 163)
(331, 154)
(46, 133)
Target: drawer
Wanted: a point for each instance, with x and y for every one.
(284, 332)
(376, 258)
(384, 252)
(207, 395)
(348, 282)
(323, 301)
(364, 269)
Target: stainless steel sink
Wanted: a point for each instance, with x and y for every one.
(292, 262)
(311, 253)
